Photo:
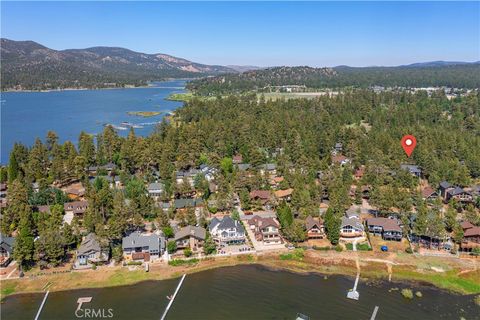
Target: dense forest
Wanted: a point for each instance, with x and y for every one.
(454, 76)
(298, 135)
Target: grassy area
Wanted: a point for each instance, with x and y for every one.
(296, 255)
(180, 262)
(184, 97)
(144, 114)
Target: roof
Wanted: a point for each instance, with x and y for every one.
(7, 243)
(226, 223)
(311, 222)
(457, 191)
(339, 158)
(186, 203)
(196, 232)
(445, 185)
(138, 239)
(269, 166)
(412, 168)
(243, 166)
(466, 225)
(75, 205)
(263, 222)
(155, 186)
(427, 191)
(89, 244)
(360, 172)
(283, 193)
(237, 158)
(385, 223)
(262, 194)
(352, 222)
(472, 232)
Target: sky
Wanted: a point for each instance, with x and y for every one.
(258, 33)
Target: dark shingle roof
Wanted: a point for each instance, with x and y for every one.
(197, 232)
(89, 244)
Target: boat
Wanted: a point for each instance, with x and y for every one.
(301, 316)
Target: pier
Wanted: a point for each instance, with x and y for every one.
(173, 298)
(41, 306)
(353, 294)
(374, 314)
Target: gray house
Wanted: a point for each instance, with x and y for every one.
(6, 250)
(190, 237)
(90, 252)
(140, 246)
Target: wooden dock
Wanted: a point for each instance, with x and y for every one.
(41, 306)
(354, 294)
(173, 298)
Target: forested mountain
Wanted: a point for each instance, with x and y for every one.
(29, 65)
(458, 75)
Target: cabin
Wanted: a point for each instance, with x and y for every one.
(284, 195)
(449, 192)
(429, 194)
(315, 228)
(185, 203)
(388, 229)
(414, 170)
(359, 173)
(155, 189)
(90, 253)
(262, 197)
(266, 230)
(340, 159)
(108, 168)
(237, 159)
(7, 244)
(268, 169)
(227, 231)
(190, 237)
(351, 228)
(143, 247)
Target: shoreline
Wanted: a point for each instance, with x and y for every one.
(342, 266)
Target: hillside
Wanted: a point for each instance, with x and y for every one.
(29, 65)
(459, 75)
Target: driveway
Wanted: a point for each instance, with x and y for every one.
(259, 245)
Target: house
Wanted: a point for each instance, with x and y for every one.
(471, 238)
(459, 194)
(275, 181)
(338, 148)
(340, 159)
(75, 192)
(6, 250)
(35, 187)
(190, 237)
(186, 175)
(243, 166)
(428, 193)
(266, 230)
(237, 159)
(351, 226)
(315, 228)
(155, 189)
(389, 229)
(109, 168)
(208, 172)
(77, 208)
(260, 195)
(269, 168)
(184, 203)
(113, 181)
(90, 252)
(227, 231)
(140, 246)
(413, 169)
(284, 194)
(444, 186)
(359, 173)
(466, 225)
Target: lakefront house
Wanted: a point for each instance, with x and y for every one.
(143, 247)
(388, 229)
(227, 231)
(315, 228)
(90, 252)
(190, 237)
(266, 230)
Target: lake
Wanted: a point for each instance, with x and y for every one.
(27, 115)
(248, 293)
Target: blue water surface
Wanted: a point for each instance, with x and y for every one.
(28, 115)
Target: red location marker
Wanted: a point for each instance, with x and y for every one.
(408, 144)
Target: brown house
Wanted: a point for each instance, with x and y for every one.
(265, 229)
(471, 239)
(315, 228)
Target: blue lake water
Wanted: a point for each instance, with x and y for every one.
(28, 115)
